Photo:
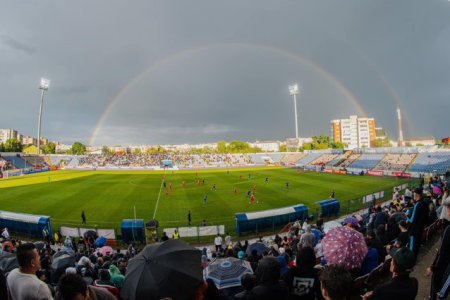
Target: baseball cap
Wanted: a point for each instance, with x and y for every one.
(403, 258)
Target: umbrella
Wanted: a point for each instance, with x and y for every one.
(258, 246)
(344, 246)
(105, 250)
(90, 234)
(100, 242)
(329, 225)
(63, 261)
(227, 272)
(352, 221)
(171, 269)
(64, 251)
(39, 245)
(8, 261)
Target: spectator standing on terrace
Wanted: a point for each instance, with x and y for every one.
(269, 285)
(442, 259)
(417, 221)
(218, 242)
(83, 217)
(5, 234)
(22, 282)
(302, 280)
(335, 282)
(401, 286)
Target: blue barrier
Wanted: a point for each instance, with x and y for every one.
(260, 220)
(133, 230)
(330, 207)
(25, 223)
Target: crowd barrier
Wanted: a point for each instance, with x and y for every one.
(109, 234)
(196, 231)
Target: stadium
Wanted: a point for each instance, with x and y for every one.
(165, 158)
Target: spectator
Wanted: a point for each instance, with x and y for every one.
(371, 260)
(164, 237)
(442, 259)
(218, 242)
(247, 282)
(417, 221)
(3, 286)
(402, 238)
(307, 239)
(302, 280)
(73, 287)
(401, 286)
(268, 281)
(22, 282)
(336, 282)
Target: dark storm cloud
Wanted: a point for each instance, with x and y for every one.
(173, 79)
(13, 44)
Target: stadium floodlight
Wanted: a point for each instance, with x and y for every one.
(45, 83)
(294, 90)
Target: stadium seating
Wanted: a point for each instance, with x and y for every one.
(292, 158)
(324, 159)
(35, 161)
(395, 162)
(431, 162)
(309, 158)
(349, 160)
(367, 161)
(17, 162)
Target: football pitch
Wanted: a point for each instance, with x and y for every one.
(107, 197)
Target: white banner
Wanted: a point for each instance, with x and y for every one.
(109, 234)
(194, 231)
(67, 231)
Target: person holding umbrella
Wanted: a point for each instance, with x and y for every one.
(22, 282)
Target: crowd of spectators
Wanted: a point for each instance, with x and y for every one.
(291, 265)
(126, 160)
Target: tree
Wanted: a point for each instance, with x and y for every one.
(283, 148)
(221, 147)
(106, 150)
(78, 148)
(31, 149)
(49, 148)
(321, 142)
(137, 151)
(408, 144)
(382, 142)
(307, 146)
(338, 145)
(12, 145)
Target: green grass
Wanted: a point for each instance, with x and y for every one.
(107, 197)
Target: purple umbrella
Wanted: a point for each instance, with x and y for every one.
(344, 246)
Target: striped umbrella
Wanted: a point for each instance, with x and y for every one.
(227, 272)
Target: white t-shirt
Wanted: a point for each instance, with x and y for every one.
(27, 287)
(218, 241)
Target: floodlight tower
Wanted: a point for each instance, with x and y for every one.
(400, 128)
(43, 86)
(294, 90)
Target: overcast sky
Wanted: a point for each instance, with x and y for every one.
(202, 71)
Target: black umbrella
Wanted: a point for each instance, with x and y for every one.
(62, 262)
(8, 261)
(90, 234)
(171, 269)
(63, 252)
(258, 246)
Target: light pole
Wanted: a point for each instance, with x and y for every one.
(44, 87)
(294, 90)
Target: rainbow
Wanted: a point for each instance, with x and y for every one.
(294, 57)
